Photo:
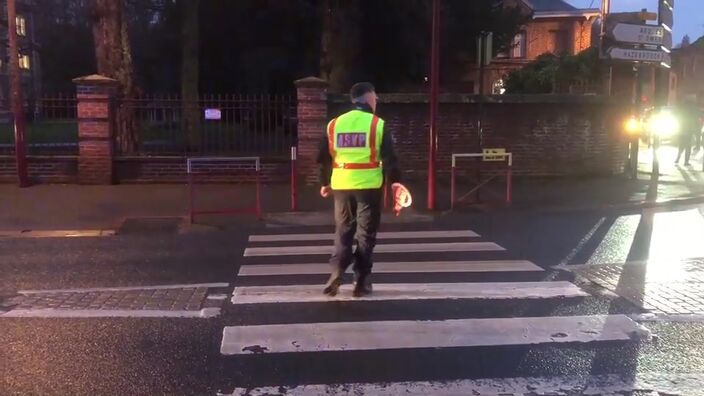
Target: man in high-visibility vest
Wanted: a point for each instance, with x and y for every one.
(354, 155)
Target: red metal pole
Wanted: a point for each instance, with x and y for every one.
(434, 93)
(259, 195)
(191, 215)
(16, 95)
(294, 205)
(509, 181)
(452, 184)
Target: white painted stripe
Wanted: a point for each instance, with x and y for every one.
(56, 233)
(408, 291)
(403, 334)
(126, 288)
(395, 267)
(103, 313)
(380, 235)
(616, 244)
(646, 382)
(383, 248)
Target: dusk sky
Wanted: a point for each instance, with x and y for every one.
(689, 14)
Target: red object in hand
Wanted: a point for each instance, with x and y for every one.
(402, 197)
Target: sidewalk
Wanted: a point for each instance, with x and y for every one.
(73, 207)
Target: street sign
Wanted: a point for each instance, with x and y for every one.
(213, 114)
(638, 34)
(494, 154)
(640, 55)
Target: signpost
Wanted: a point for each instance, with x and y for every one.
(213, 114)
(640, 55)
(638, 34)
(494, 154)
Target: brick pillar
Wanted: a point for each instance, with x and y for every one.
(95, 95)
(312, 119)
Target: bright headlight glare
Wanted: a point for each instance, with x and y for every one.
(664, 124)
(632, 126)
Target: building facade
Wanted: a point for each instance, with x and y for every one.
(688, 68)
(555, 27)
(28, 49)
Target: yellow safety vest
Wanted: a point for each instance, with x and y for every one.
(354, 139)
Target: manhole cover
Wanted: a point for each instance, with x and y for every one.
(150, 225)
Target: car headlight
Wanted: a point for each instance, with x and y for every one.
(664, 124)
(632, 126)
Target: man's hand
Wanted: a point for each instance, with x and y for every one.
(325, 191)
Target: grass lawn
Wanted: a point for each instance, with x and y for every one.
(43, 132)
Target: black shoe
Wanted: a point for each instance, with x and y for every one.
(334, 283)
(362, 287)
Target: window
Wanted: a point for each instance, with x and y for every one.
(498, 87)
(21, 25)
(24, 62)
(517, 49)
(518, 46)
(560, 41)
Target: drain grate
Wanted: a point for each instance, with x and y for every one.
(150, 225)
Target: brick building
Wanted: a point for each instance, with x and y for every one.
(688, 67)
(29, 52)
(555, 27)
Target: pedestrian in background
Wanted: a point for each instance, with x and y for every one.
(689, 126)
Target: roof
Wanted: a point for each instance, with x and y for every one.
(558, 9)
(549, 5)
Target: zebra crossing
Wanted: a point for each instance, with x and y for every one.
(426, 286)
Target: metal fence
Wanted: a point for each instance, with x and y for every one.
(52, 128)
(261, 125)
(238, 125)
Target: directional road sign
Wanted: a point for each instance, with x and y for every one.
(642, 55)
(638, 34)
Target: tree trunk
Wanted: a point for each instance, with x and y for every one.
(190, 108)
(340, 40)
(114, 59)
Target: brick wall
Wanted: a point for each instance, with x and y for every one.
(550, 135)
(541, 39)
(41, 169)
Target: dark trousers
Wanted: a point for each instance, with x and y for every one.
(685, 146)
(357, 216)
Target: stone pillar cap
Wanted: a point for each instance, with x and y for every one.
(311, 82)
(95, 79)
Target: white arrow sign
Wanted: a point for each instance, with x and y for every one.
(638, 34)
(640, 55)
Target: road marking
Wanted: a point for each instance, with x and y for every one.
(56, 233)
(105, 313)
(384, 248)
(395, 267)
(649, 382)
(616, 244)
(381, 235)
(409, 291)
(404, 334)
(126, 288)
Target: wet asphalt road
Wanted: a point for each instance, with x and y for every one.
(182, 356)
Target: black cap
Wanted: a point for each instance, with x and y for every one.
(360, 89)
